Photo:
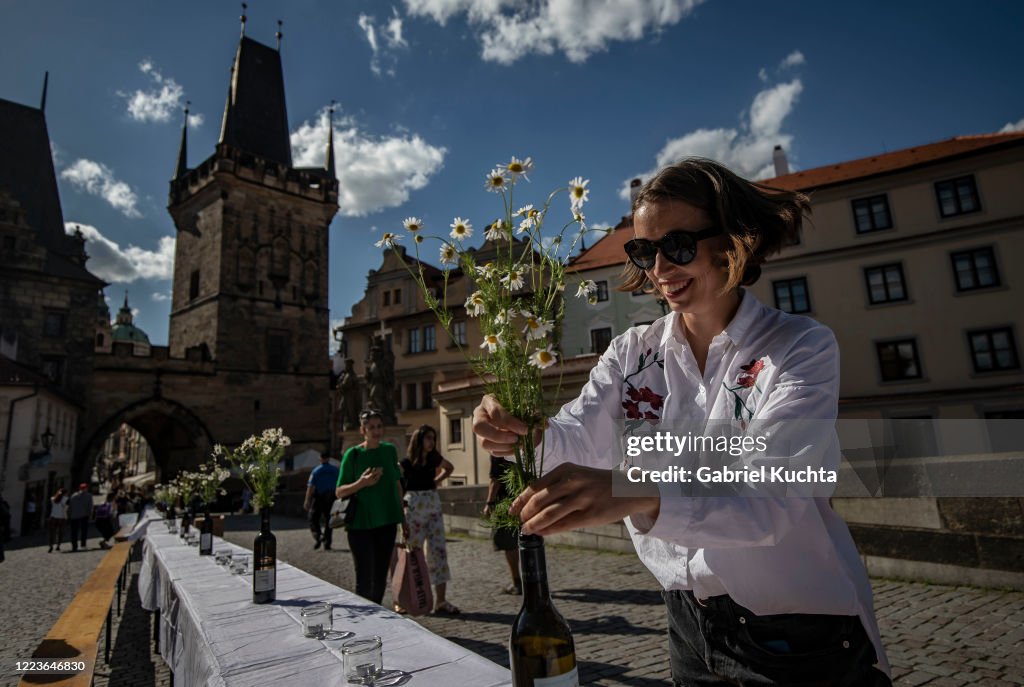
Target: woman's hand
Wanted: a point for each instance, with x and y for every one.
(370, 477)
(573, 496)
(498, 429)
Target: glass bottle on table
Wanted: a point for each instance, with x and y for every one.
(264, 562)
(541, 649)
(206, 534)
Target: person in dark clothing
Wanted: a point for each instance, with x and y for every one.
(504, 538)
(79, 510)
(106, 514)
(319, 498)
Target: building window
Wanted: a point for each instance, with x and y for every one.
(898, 360)
(193, 285)
(975, 269)
(10, 243)
(885, 283)
(791, 295)
(387, 298)
(426, 394)
(53, 368)
(993, 349)
(957, 196)
(872, 214)
(398, 296)
(100, 340)
(55, 324)
(410, 397)
(455, 430)
(600, 339)
(414, 341)
(459, 333)
(602, 291)
(278, 351)
(430, 338)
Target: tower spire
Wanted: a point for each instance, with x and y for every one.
(243, 18)
(279, 34)
(329, 163)
(46, 82)
(182, 167)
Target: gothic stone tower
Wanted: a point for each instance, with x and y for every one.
(250, 264)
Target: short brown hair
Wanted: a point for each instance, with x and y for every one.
(757, 220)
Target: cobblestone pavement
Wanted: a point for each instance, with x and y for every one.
(935, 635)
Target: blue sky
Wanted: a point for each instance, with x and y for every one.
(432, 94)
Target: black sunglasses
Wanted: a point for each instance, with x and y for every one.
(678, 247)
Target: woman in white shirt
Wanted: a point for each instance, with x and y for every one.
(762, 587)
(58, 518)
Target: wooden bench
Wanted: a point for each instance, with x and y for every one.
(76, 634)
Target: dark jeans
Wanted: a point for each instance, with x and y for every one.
(320, 517)
(371, 550)
(723, 643)
(79, 532)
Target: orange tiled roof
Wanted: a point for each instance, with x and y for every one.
(607, 251)
(895, 161)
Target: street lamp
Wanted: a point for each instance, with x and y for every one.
(47, 438)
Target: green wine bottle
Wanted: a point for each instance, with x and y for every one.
(541, 650)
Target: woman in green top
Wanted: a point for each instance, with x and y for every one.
(370, 473)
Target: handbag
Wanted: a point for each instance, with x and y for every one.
(410, 580)
(343, 511)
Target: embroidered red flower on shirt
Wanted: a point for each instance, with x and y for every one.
(748, 377)
(644, 394)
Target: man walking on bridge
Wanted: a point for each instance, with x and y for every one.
(319, 498)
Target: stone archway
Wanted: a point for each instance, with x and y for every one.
(177, 437)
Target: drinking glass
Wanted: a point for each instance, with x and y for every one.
(223, 557)
(240, 565)
(317, 619)
(363, 660)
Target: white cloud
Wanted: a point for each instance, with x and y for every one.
(332, 345)
(195, 120)
(97, 179)
(793, 59)
(746, 149)
(374, 172)
(1012, 127)
(511, 29)
(111, 263)
(160, 297)
(159, 103)
(383, 59)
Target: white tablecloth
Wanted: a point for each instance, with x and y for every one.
(212, 634)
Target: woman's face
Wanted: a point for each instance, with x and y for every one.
(693, 288)
(429, 441)
(373, 429)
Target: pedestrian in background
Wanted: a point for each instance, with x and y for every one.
(106, 516)
(369, 474)
(319, 498)
(79, 510)
(58, 518)
(422, 472)
(505, 539)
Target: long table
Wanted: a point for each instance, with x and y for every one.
(212, 634)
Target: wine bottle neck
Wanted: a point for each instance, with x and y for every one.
(534, 570)
(264, 521)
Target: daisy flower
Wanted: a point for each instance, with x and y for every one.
(496, 231)
(518, 168)
(412, 224)
(531, 218)
(515, 277)
(536, 328)
(592, 299)
(449, 256)
(496, 181)
(475, 304)
(418, 238)
(586, 288)
(388, 240)
(544, 357)
(461, 229)
(578, 192)
(491, 342)
(485, 270)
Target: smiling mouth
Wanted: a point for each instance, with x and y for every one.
(673, 289)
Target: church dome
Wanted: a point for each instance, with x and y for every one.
(124, 329)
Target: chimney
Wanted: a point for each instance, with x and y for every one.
(781, 163)
(634, 189)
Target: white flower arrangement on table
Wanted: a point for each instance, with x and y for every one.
(208, 480)
(519, 302)
(257, 463)
(166, 494)
(185, 485)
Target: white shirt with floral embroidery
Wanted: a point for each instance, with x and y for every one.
(773, 554)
